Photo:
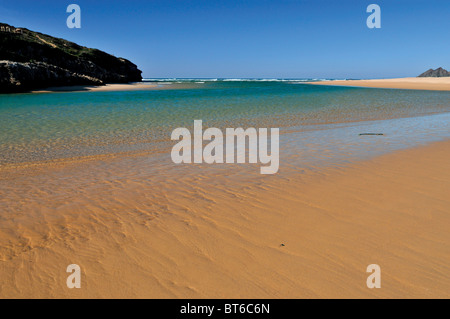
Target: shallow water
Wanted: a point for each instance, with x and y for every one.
(47, 126)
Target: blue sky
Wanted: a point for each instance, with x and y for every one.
(276, 38)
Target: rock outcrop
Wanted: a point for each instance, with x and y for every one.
(439, 72)
(31, 60)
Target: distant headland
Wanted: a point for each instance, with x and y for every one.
(31, 60)
(438, 73)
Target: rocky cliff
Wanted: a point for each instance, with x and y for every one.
(31, 60)
(440, 72)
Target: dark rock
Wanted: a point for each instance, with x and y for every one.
(31, 60)
(19, 77)
(439, 72)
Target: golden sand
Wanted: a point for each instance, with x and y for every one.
(435, 84)
(202, 236)
(104, 88)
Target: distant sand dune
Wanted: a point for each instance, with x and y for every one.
(435, 84)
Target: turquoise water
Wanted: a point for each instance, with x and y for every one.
(44, 126)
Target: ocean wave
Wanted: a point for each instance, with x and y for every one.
(204, 80)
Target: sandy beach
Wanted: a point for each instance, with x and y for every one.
(201, 236)
(434, 84)
(104, 88)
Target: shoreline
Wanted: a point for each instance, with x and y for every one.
(164, 146)
(409, 83)
(105, 88)
(433, 84)
(140, 226)
(157, 237)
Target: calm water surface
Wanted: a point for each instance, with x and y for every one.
(35, 127)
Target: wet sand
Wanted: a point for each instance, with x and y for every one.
(192, 234)
(434, 84)
(104, 88)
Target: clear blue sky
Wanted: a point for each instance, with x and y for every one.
(253, 38)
